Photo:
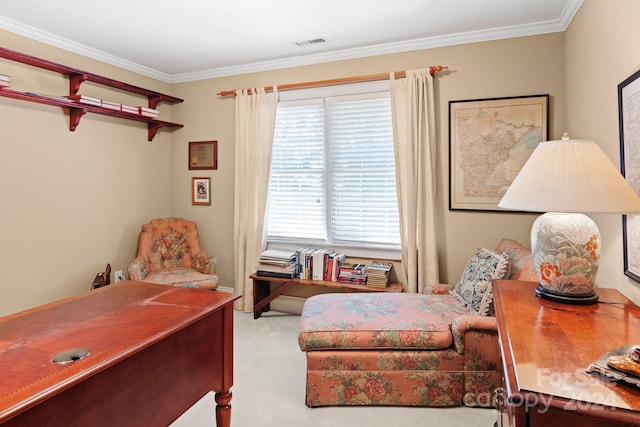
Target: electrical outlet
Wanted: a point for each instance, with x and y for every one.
(118, 276)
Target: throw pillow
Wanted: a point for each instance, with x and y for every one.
(474, 287)
(520, 260)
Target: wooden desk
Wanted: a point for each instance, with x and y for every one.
(546, 347)
(154, 351)
(263, 293)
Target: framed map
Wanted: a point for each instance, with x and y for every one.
(629, 121)
(489, 142)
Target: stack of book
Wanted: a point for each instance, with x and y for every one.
(130, 109)
(111, 105)
(277, 263)
(378, 274)
(84, 99)
(149, 112)
(353, 273)
(318, 264)
(5, 81)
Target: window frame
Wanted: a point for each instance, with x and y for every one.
(327, 94)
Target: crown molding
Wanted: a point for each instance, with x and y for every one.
(546, 27)
(71, 46)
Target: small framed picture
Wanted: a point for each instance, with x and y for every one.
(203, 155)
(200, 191)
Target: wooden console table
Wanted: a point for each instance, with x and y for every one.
(263, 293)
(546, 347)
(154, 351)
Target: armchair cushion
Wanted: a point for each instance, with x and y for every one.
(474, 287)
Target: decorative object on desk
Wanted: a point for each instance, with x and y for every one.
(566, 179)
(200, 191)
(102, 279)
(628, 363)
(603, 367)
(629, 122)
(489, 141)
(203, 155)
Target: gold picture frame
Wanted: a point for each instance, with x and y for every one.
(200, 191)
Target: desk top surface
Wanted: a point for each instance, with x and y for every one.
(112, 322)
(550, 344)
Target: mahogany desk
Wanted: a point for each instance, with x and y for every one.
(546, 347)
(154, 351)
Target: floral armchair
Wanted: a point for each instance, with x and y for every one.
(169, 253)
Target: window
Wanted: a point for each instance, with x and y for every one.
(333, 169)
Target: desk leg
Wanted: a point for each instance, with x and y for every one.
(223, 397)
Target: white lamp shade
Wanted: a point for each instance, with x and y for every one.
(570, 176)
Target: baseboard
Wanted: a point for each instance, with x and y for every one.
(288, 304)
(283, 304)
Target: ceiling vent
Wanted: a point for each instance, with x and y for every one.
(310, 42)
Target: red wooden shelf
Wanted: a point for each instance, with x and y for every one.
(76, 78)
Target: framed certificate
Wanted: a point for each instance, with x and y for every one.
(203, 155)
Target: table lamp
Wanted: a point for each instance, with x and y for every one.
(566, 179)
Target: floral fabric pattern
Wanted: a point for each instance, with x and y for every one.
(377, 349)
(169, 253)
(380, 320)
(474, 287)
(520, 260)
(362, 351)
(566, 253)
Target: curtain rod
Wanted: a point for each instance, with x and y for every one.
(370, 78)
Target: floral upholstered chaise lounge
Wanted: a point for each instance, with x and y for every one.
(439, 348)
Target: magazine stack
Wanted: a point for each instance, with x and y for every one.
(353, 273)
(378, 274)
(277, 263)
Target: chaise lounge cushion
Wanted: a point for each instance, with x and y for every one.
(474, 287)
(379, 320)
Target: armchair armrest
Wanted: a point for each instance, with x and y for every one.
(137, 269)
(205, 264)
(469, 323)
(439, 289)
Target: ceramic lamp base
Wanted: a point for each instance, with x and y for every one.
(587, 299)
(566, 251)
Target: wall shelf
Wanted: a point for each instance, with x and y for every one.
(77, 109)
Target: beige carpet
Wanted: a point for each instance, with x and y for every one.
(269, 383)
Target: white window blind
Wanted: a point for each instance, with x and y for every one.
(333, 172)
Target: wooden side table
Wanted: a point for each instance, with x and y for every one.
(264, 293)
(546, 347)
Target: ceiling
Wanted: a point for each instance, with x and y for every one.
(197, 39)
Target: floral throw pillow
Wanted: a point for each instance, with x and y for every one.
(474, 287)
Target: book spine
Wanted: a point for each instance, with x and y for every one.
(264, 273)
